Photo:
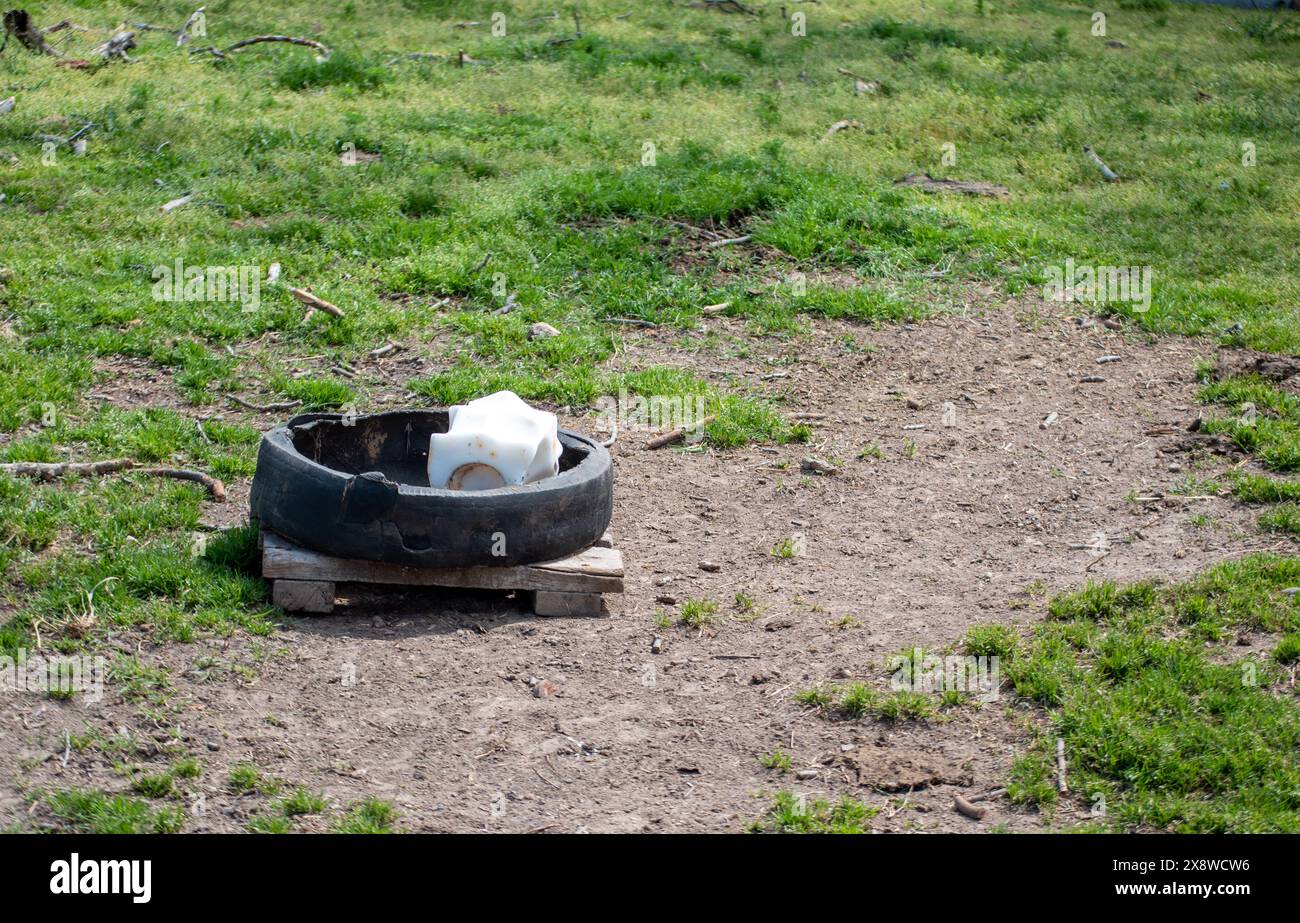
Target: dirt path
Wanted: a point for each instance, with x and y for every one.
(442, 719)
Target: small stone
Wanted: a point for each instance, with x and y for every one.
(543, 689)
(1291, 591)
(806, 774)
(657, 645)
(541, 331)
(711, 566)
(666, 599)
(914, 404)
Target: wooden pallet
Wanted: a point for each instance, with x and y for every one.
(303, 580)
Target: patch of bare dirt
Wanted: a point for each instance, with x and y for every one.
(1009, 454)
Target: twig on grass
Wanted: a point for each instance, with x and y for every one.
(1110, 175)
(1061, 785)
(49, 471)
(678, 434)
(264, 408)
(220, 53)
(313, 301)
(839, 127)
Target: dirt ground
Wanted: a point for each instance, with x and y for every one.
(915, 547)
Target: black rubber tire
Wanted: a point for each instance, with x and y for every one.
(355, 490)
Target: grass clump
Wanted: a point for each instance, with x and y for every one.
(97, 812)
(301, 801)
(698, 613)
(370, 816)
(991, 641)
(1158, 728)
(791, 813)
(245, 778)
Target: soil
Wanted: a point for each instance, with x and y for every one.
(427, 698)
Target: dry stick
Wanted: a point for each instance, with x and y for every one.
(264, 408)
(215, 487)
(728, 241)
(1111, 175)
(970, 810)
(260, 39)
(1061, 785)
(48, 471)
(308, 298)
(176, 203)
(840, 126)
(678, 434)
(183, 34)
(117, 46)
(19, 24)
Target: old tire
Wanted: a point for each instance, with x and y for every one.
(355, 488)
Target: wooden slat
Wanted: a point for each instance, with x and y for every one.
(596, 570)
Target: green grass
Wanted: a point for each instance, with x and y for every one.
(1265, 423)
(1162, 725)
(698, 613)
(301, 801)
(97, 812)
(788, 813)
(245, 778)
(530, 175)
(370, 816)
(855, 701)
(1271, 434)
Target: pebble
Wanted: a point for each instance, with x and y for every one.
(711, 566)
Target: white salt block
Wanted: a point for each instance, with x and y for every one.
(495, 441)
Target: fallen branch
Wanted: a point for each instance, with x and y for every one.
(1111, 175)
(631, 321)
(215, 487)
(969, 187)
(50, 471)
(308, 298)
(183, 33)
(678, 434)
(725, 6)
(18, 23)
(264, 408)
(220, 53)
(728, 241)
(1061, 785)
(176, 203)
(839, 127)
(116, 47)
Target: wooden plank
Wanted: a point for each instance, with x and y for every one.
(303, 595)
(596, 570)
(551, 602)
